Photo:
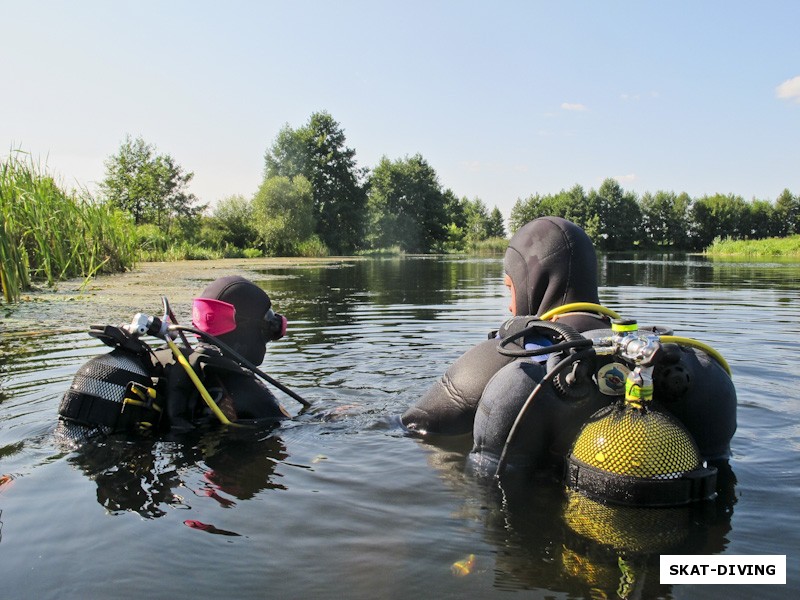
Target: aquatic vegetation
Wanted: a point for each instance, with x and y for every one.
(50, 234)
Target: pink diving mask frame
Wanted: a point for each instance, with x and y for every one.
(213, 316)
(216, 317)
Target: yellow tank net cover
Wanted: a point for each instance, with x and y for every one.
(636, 455)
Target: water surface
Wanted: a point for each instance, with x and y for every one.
(338, 502)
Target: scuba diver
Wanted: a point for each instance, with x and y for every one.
(549, 262)
(138, 389)
(623, 413)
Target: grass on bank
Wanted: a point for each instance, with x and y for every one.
(788, 246)
(154, 245)
(49, 234)
(489, 247)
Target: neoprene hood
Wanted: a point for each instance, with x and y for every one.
(252, 304)
(551, 262)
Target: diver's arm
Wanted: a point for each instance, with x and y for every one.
(250, 397)
(448, 407)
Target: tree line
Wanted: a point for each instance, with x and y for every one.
(314, 200)
(620, 220)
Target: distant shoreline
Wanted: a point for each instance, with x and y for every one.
(769, 247)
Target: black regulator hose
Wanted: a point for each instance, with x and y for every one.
(572, 339)
(549, 376)
(172, 318)
(242, 361)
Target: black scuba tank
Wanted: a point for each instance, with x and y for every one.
(99, 388)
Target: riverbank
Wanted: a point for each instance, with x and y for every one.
(769, 247)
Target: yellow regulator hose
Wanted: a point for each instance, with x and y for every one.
(666, 339)
(579, 306)
(199, 384)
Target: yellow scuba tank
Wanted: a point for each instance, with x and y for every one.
(631, 452)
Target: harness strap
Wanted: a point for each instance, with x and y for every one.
(699, 484)
(88, 409)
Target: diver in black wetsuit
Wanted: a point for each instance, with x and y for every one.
(549, 262)
(138, 389)
(255, 324)
(550, 267)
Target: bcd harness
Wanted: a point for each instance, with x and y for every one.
(129, 388)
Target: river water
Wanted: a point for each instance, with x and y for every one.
(338, 502)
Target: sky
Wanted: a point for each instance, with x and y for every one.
(503, 99)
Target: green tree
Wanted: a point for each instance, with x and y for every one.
(151, 187)
(455, 209)
(128, 182)
(532, 207)
(787, 213)
(679, 225)
(495, 226)
(282, 214)
(665, 218)
(234, 218)
(760, 220)
(317, 151)
(572, 205)
(477, 220)
(406, 206)
(720, 215)
(618, 217)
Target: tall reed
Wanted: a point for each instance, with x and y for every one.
(49, 234)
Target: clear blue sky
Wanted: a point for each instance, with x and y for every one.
(503, 99)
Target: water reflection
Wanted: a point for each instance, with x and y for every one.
(686, 271)
(149, 476)
(546, 537)
(332, 294)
